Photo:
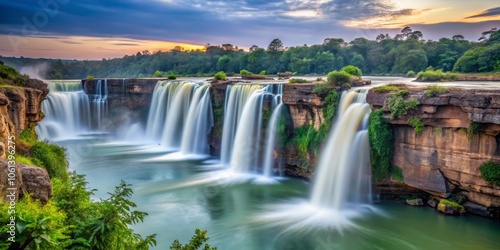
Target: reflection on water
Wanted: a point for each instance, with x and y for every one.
(234, 212)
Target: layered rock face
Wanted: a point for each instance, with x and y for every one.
(20, 107)
(126, 97)
(445, 157)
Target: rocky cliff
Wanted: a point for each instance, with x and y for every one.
(20, 108)
(445, 157)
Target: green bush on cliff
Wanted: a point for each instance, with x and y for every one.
(339, 78)
(297, 80)
(171, 76)
(322, 89)
(434, 90)
(51, 157)
(352, 70)
(490, 172)
(220, 75)
(416, 124)
(381, 144)
(399, 106)
(474, 129)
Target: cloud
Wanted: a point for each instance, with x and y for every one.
(487, 13)
(126, 44)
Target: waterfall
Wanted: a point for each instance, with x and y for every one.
(66, 109)
(100, 103)
(180, 116)
(343, 175)
(271, 133)
(199, 122)
(236, 98)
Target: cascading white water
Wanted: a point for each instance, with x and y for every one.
(343, 175)
(199, 122)
(66, 109)
(236, 99)
(100, 103)
(271, 133)
(247, 138)
(180, 116)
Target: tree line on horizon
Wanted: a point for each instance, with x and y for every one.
(386, 55)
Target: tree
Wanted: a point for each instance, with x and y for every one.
(485, 35)
(275, 45)
(457, 38)
(254, 48)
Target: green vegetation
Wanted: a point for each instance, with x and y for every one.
(473, 129)
(244, 72)
(399, 106)
(218, 111)
(50, 157)
(307, 139)
(10, 76)
(28, 136)
(171, 76)
(263, 72)
(339, 78)
(297, 80)
(482, 58)
(352, 70)
(417, 124)
(435, 76)
(490, 172)
(322, 89)
(458, 198)
(89, 77)
(319, 79)
(220, 75)
(434, 90)
(453, 204)
(381, 141)
(386, 88)
(411, 74)
(397, 174)
(195, 243)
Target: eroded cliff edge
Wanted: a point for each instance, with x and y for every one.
(445, 157)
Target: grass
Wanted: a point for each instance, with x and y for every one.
(386, 89)
(434, 90)
(473, 129)
(24, 160)
(453, 204)
(490, 172)
(298, 80)
(436, 76)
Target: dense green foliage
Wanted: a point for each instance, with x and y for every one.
(399, 106)
(220, 75)
(339, 78)
(322, 89)
(171, 76)
(385, 55)
(417, 124)
(490, 172)
(381, 141)
(411, 74)
(297, 80)
(199, 237)
(51, 157)
(11, 76)
(484, 58)
(352, 70)
(397, 174)
(431, 75)
(434, 90)
(474, 128)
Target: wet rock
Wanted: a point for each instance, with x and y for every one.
(451, 208)
(415, 202)
(432, 203)
(477, 209)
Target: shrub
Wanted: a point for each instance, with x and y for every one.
(220, 75)
(385, 88)
(51, 157)
(490, 172)
(322, 89)
(433, 90)
(473, 129)
(90, 78)
(397, 174)
(28, 136)
(338, 78)
(171, 76)
(158, 74)
(417, 124)
(435, 76)
(199, 237)
(411, 73)
(381, 140)
(352, 70)
(319, 79)
(263, 72)
(399, 106)
(245, 72)
(298, 80)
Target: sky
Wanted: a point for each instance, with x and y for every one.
(97, 29)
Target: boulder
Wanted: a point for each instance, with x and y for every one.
(36, 182)
(477, 209)
(451, 208)
(415, 202)
(432, 203)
